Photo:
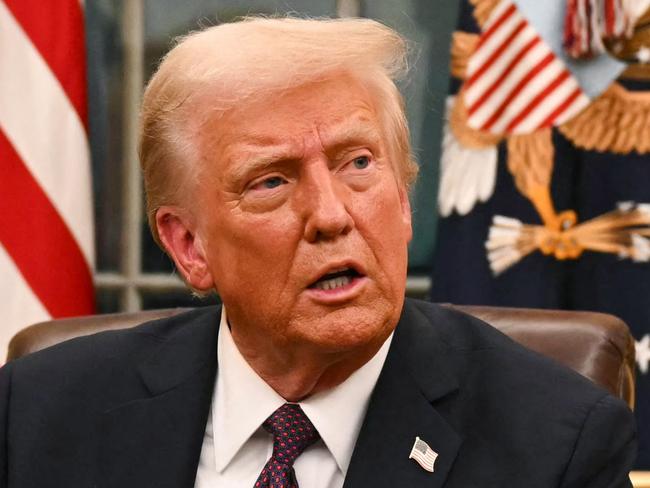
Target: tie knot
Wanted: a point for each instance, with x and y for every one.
(292, 432)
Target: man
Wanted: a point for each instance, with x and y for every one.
(277, 166)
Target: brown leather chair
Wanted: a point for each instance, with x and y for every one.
(598, 346)
(46, 334)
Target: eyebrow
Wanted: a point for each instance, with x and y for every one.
(337, 142)
(247, 161)
(357, 134)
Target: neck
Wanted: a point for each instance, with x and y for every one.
(296, 374)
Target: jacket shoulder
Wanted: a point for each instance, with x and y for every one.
(93, 358)
(521, 412)
(482, 355)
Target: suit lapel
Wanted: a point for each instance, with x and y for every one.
(155, 438)
(415, 376)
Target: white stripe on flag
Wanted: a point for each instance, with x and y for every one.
(551, 102)
(574, 109)
(532, 89)
(498, 67)
(527, 63)
(44, 139)
(483, 53)
(23, 309)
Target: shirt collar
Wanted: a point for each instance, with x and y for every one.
(243, 401)
(339, 427)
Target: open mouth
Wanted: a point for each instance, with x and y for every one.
(339, 278)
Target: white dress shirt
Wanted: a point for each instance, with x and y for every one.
(235, 445)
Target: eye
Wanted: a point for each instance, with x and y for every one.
(362, 162)
(272, 182)
(269, 183)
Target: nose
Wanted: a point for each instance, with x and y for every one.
(324, 204)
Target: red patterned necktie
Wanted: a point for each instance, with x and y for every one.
(292, 434)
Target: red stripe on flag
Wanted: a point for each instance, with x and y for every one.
(561, 108)
(550, 88)
(610, 17)
(39, 242)
(548, 59)
(497, 24)
(57, 31)
(497, 53)
(506, 72)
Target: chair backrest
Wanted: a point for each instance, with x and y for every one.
(598, 346)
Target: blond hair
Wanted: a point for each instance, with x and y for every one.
(253, 58)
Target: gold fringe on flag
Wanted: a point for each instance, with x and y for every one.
(618, 121)
(467, 136)
(463, 45)
(483, 9)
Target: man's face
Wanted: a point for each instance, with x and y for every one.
(303, 223)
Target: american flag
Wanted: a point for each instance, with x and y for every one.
(423, 454)
(515, 83)
(46, 231)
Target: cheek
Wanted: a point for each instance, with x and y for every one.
(387, 233)
(256, 248)
(384, 217)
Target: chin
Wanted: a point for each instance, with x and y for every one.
(354, 327)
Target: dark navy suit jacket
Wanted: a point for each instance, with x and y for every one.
(129, 408)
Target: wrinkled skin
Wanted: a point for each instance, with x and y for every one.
(292, 187)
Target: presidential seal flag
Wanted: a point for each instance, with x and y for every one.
(515, 84)
(46, 228)
(544, 199)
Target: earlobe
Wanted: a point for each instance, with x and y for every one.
(177, 233)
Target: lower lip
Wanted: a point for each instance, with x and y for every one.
(338, 295)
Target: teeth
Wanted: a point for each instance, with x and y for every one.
(333, 283)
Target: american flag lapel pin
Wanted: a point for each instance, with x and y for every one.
(423, 454)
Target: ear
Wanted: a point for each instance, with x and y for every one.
(405, 205)
(177, 232)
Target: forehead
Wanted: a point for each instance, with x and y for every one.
(329, 112)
